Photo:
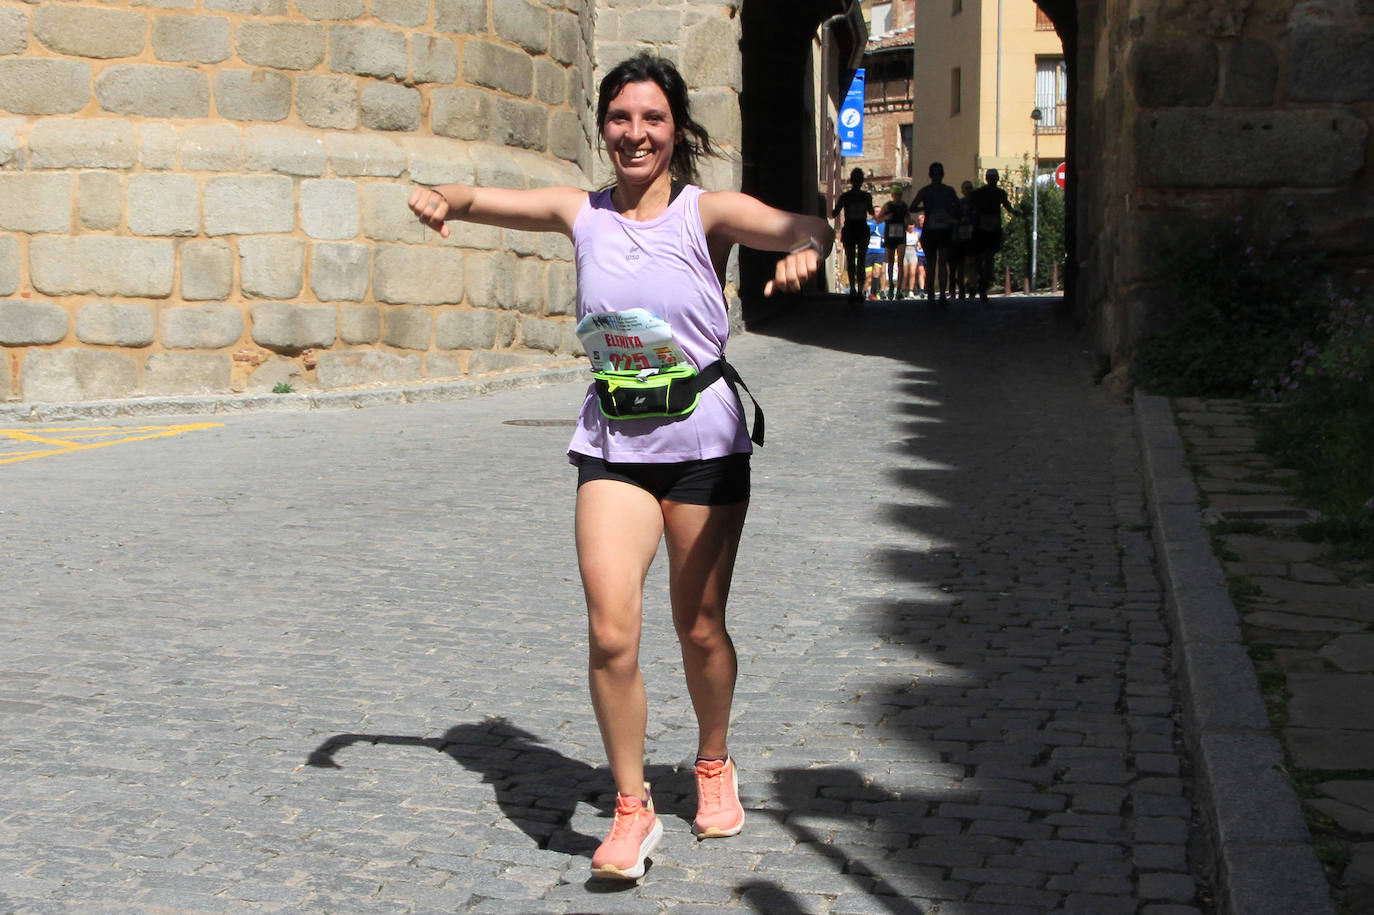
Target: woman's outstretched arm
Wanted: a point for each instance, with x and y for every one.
(743, 220)
(548, 209)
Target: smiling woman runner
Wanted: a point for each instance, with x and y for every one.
(651, 253)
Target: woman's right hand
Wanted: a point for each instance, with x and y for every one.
(431, 207)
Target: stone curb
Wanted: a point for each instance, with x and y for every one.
(1261, 847)
(196, 405)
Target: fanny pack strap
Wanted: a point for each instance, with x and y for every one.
(722, 369)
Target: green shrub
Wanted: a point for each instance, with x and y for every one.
(1016, 238)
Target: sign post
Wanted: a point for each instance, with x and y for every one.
(852, 117)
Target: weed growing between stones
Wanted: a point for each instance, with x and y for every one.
(1324, 427)
(1236, 312)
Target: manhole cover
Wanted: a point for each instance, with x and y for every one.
(539, 422)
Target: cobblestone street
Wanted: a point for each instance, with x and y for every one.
(334, 661)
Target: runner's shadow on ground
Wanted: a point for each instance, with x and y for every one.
(536, 787)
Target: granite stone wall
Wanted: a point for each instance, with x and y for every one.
(209, 195)
(1246, 116)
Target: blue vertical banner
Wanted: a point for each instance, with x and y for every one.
(852, 117)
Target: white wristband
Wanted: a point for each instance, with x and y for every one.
(809, 243)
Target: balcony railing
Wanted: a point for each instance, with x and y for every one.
(1054, 118)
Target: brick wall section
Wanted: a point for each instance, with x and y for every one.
(209, 195)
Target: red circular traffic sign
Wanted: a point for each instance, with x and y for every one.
(1059, 174)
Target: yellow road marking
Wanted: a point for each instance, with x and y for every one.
(67, 439)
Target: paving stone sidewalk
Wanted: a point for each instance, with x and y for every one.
(334, 661)
(1308, 616)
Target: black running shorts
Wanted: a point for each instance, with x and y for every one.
(715, 481)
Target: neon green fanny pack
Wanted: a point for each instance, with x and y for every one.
(670, 392)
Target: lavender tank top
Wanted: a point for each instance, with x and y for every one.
(663, 266)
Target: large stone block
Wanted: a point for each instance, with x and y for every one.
(330, 208)
(292, 328)
(100, 200)
(70, 375)
(1174, 72)
(332, 9)
(281, 45)
(565, 38)
(83, 143)
(544, 334)
(360, 324)
(1331, 64)
(187, 373)
(248, 7)
(522, 124)
(43, 86)
(353, 155)
(709, 58)
(434, 162)
(523, 23)
(1337, 222)
(201, 326)
(652, 24)
(551, 83)
(407, 328)
(387, 106)
(490, 280)
(211, 148)
(408, 13)
(10, 147)
(484, 363)
(35, 202)
(164, 205)
(353, 369)
(251, 205)
(340, 273)
(498, 67)
(495, 166)
(1294, 148)
(387, 217)
(14, 39)
(159, 151)
(477, 328)
(252, 95)
(463, 114)
(433, 59)
(271, 268)
(27, 323)
(562, 295)
(329, 102)
(207, 271)
(10, 264)
(1252, 73)
(529, 285)
(566, 140)
(367, 51)
(193, 39)
(101, 265)
(114, 324)
(404, 275)
(285, 150)
(153, 91)
(461, 17)
(90, 31)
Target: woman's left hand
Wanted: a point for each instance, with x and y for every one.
(794, 270)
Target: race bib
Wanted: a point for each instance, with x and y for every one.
(631, 340)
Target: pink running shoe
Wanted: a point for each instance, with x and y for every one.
(719, 813)
(634, 835)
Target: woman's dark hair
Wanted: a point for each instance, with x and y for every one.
(856, 177)
(691, 140)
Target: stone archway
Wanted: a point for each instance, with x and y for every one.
(1181, 112)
